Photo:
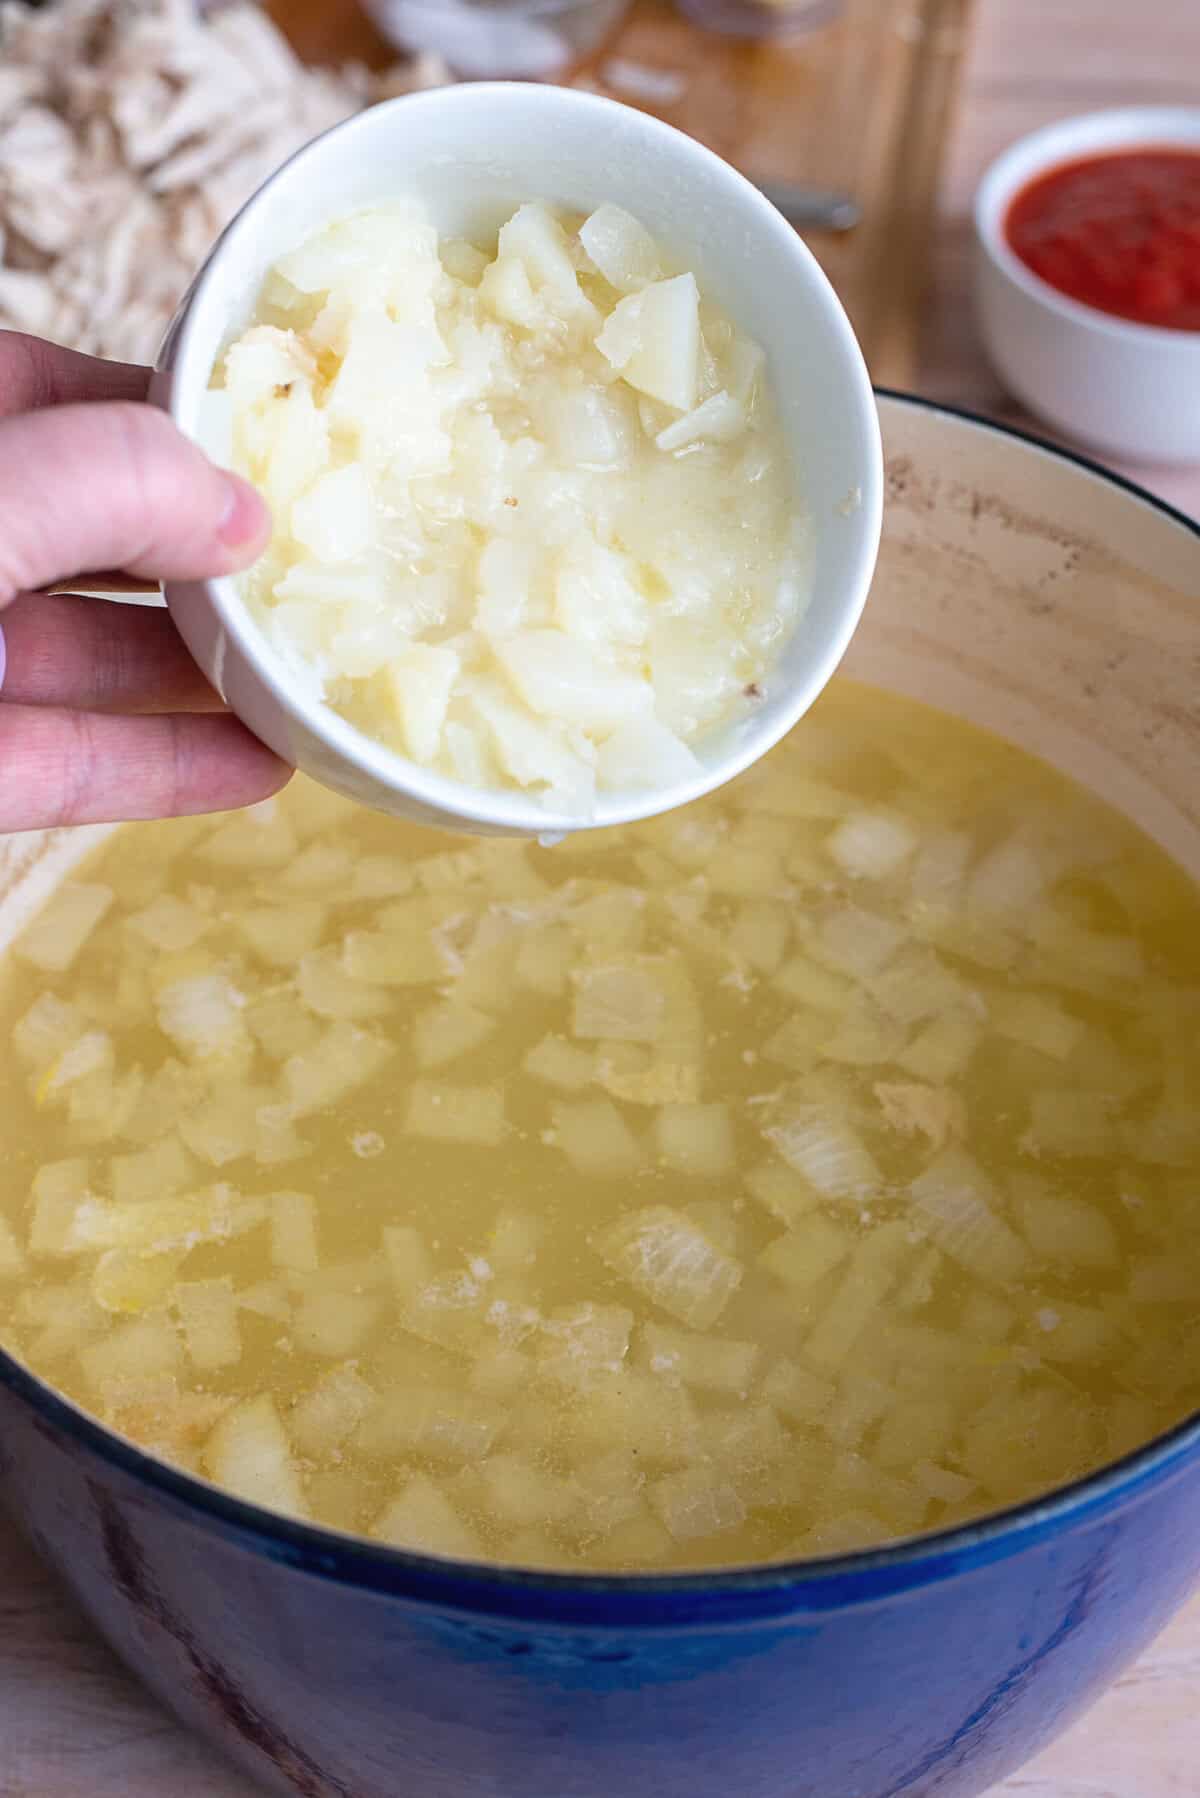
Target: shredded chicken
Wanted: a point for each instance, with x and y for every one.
(131, 131)
(934, 1111)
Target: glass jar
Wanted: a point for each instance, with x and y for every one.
(760, 18)
(525, 39)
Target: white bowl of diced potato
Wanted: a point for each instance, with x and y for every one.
(597, 720)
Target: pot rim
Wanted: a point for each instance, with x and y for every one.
(647, 1599)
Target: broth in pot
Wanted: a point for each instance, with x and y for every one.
(807, 1169)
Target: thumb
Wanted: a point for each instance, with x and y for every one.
(90, 487)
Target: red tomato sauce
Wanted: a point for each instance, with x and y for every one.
(1120, 232)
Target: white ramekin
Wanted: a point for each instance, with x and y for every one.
(1126, 389)
(474, 152)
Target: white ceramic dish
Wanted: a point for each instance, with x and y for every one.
(473, 153)
(1127, 389)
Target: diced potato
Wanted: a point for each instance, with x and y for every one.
(826, 1150)
(719, 1219)
(12, 1258)
(718, 419)
(448, 1311)
(209, 1321)
(266, 1299)
(916, 985)
(943, 1049)
(857, 942)
(449, 1030)
(580, 1344)
(596, 1140)
(666, 1257)
(874, 1269)
(430, 1420)
(514, 1240)
(653, 339)
(640, 1541)
(759, 935)
(864, 1036)
(940, 868)
(560, 1063)
(517, 1493)
(911, 1109)
(248, 1453)
(801, 1395)
(871, 845)
(696, 1139)
(847, 1533)
(860, 1403)
(46, 1031)
(334, 1324)
(260, 837)
(159, 1226)
(393, 957)
(59, 1188)
(694, 1503)
(144, 1348)
(712, 1363)
(203, 1017)
(919, 1430)
(1062, 1229)
(1040, 1023)
(294, 1232)
(62, 927)
(784, 1192)
(941, 1483)
(655, 1422)
(276, 1138)
(169, 923)
(608, 1489)
(423, 1519)
(92, 1054)
(807, 1253)
(344, 1059)
(957, 1204)
(323, 1417)
(621, 1002)
(224, 1127)
(325, 990)
(641, 1075)
(1070, 1122)
(408, 1259)
(59, 1319)
(128, 1284)
(280, 935)
(421, 680)
(327, 869)
(1007, 880)
(167, 1096)
(463, 1114)
(502, 1372)
(620, 248)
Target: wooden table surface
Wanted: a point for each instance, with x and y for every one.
(72, 1724)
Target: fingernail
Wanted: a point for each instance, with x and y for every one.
(245, 517)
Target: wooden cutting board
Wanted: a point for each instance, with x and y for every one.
(863, 105)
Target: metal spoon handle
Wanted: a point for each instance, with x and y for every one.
(812, 208)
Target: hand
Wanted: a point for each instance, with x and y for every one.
(103, 714)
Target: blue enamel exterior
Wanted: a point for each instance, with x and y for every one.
(332, 1668)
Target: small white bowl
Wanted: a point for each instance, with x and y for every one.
(1126, 389)
(473, 153)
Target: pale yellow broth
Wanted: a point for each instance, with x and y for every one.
(811, 1168)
